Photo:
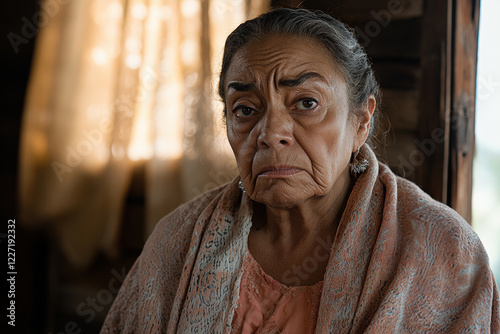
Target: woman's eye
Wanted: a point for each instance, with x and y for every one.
(243, 111)
(307, 104)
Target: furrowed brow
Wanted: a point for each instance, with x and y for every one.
(300, 80)
(241, 87)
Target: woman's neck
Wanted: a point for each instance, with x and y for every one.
(313, 218)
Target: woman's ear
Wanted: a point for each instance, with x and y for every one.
(364, 120)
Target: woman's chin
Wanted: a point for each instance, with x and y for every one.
(281, 196)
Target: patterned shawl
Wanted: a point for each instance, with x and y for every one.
(400, 262)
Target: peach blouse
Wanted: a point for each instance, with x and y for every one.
(266, 306)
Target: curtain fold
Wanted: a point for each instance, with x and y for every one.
(117, 83)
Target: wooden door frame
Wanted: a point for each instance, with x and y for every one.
(447, 101)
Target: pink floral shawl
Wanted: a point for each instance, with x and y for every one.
(400, 263)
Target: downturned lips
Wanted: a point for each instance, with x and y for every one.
(279, 171)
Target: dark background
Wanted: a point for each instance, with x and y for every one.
(31, 246)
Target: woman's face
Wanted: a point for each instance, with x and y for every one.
(288, 121)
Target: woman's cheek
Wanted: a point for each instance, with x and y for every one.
(244, 157)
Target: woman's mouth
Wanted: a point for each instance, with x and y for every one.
(279, 171)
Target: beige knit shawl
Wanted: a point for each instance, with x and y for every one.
(400, 263)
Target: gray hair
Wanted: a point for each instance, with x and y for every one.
(347, 53)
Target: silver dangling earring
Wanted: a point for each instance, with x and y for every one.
(241, 186)
(357, 167)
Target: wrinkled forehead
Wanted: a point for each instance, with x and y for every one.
(279, 57)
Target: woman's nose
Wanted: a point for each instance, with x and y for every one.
(276, 130)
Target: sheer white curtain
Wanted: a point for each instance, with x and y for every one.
(115, 83)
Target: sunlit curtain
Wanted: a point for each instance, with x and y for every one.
(116, 83)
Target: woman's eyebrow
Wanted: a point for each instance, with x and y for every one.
(240, 86)
(246, 87)
(300, 80)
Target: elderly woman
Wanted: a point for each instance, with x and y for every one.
(315, 235)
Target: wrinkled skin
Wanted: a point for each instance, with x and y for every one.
(291, 129)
